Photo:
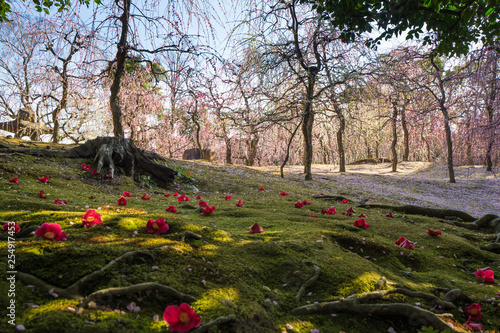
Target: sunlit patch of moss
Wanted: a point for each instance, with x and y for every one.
(360, 284)
(218, 302)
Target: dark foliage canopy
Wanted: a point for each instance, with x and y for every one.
(454, 25)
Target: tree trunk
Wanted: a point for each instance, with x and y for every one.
(307, 126)
(229, 159)
(449, 144)
(121, 56)
(394, 137)
(287, 155)
(252, 151)
(406, 135)
(340, 137)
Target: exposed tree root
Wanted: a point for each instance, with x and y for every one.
(216, 322)
(338, 198)
(308, 282)
(73, 291)
(491, 223)
(110, 153)
(415, 315)
(431, 212)
(188, 235)
(133, 289)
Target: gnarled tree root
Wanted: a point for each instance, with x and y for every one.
(133, 289)
(431, 212)
(73, 291)
(308, 282)
(221, 320)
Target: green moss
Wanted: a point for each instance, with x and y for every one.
(258, 273)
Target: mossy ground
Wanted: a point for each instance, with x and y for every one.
(259, 273)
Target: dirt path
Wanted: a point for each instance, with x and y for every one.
(476, 192)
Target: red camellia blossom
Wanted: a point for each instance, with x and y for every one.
(434, 232)
(473, 312)
(198, 197)
(261, 189)
(167, 195)
(400, 240)
(256, 229)
(407, 244)
(14, 180)
(60, 202)
(362, 215)
(175, 194)
(145, 196)
(157, 227)
(228, 197)
(209, 210)
(41, 195)
(51, 231)
(83, 166)
(283, 193)
(171, 209)
(349, 211)
(182, 197)
(368, 207)
(305, 202)
(8, 227)
(345, 201)
(88, 168)
(361, 223)
(44, 179)
(126, 194)
(312, 215)
(181, 319)
(389, 214)
(202, 204)
(485, 274)
(476, 327)
(239, 204)
(299, 204)
(94, 172)
(90, 218)
(329, 211)
(122, 201)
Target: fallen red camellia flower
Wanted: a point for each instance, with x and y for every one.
(51, 231)
(345, 201)
(389, 214)
(41, 195)
(90, 218)
(361, 223)
(145, 196)
(349, 211)
(8, 227)
(198, 197)
(171, 209)
(202, 204)
(305, 202)
(368, 207)
(181, 319)
(312, 215)
(157, 227)
(329, 211)
(122, 201)
(182, 197)
(83, 166)
(239, 204)
(407, 244)
(362, 215)
(299, 204)
(60, 202)
(14, 180)
(476, 327)
(485, 274)
(400, 240)
(126, 194)
(175, 194)
(94, 172)
(167, 195)
(209, 210)
(473, 312)
(228, 197)
(256, 229)
(88, 168)
(434, 232)
(44, 179)
(261, 189)
(283, 193)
